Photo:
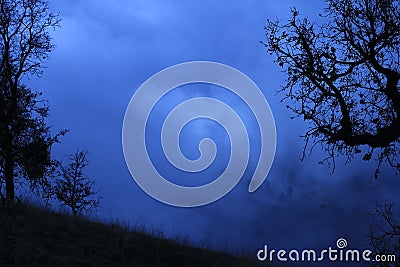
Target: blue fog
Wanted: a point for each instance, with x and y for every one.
(106, 49)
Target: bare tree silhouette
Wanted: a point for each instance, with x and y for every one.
(385, 240)
(73, 187)
(25, 139)
(343, 77)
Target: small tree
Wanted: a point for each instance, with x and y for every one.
(343, 77)
(73, 188)
(385, 240)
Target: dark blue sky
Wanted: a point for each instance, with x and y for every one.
(106, 49)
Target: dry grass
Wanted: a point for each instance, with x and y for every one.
(32, 236)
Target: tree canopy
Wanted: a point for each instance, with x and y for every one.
(343, 77)
(25, 44)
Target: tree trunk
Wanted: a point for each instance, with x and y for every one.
(9, 175)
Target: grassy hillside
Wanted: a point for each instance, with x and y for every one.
(31, 236)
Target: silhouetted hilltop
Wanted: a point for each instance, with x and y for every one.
(31, 236)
